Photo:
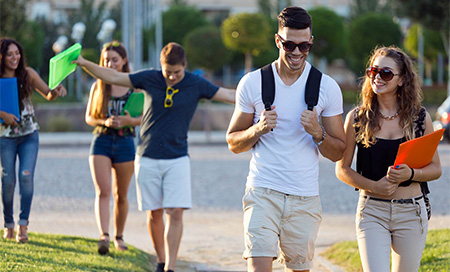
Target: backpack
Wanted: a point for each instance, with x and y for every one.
(311, 91)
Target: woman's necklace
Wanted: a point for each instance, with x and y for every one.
(391, 117)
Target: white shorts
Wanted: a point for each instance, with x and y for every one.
(163, 183)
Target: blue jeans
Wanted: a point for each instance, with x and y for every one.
(26, 148)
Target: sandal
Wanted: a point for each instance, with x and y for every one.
(103, 244)
(8, 233)
(22, 235)
(119, 243)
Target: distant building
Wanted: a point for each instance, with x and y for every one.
(57, 10)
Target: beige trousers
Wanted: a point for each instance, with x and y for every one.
(385, 228)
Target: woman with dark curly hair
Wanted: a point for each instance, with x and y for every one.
(20, 139)
(391, 217)
(112, 149)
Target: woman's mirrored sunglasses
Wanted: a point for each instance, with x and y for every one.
(385, 74)
(289, 46)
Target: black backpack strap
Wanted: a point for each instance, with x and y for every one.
(311, 91)
(419, 123)
(312, 88)
(268, 86)
(419, 130)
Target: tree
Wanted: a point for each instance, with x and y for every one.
(116, 15)
(205, 49)
(32, 40)
(269, 55)
(29, 34)
(368, 31)
(271, 8)
(92, 17)
(179, 20)
(246, 33)
(360, 7)
(50, 34)
(178, 2)
(328, 31)
(12, 14)
(432, 14)
(432, 45)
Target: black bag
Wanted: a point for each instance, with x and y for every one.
(427, 204)
(419, 130)
(311, 91)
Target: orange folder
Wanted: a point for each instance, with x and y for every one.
(417, 153)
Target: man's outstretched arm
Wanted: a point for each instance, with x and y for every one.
(108, 75)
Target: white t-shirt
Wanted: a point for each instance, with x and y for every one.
(286, 159)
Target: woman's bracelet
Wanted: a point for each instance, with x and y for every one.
(412, 174)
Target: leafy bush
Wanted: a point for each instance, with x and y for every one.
(58, 123)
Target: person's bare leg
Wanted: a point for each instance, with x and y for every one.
(173, 233)
(155, 225)
(122, 173)
(101, 176)
(259, 264)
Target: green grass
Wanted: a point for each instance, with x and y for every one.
(436, 255)
(49, 252)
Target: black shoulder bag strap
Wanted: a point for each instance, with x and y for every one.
(419, 131)
(268, 86)
(311, 90)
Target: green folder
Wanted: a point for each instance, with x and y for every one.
(61, 66)
(134, 105)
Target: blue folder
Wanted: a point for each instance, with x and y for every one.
(9, 97)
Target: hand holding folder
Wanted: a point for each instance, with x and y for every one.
(134, 105)
(61, 65)
(419, 152)
(9, 97)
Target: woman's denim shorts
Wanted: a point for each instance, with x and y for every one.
(117, 148)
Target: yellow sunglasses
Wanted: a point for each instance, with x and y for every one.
(113, 43)
(168, 102)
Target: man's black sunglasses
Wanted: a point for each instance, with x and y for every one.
(289, 46)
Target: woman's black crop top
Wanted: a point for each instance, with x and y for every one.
(373, 162)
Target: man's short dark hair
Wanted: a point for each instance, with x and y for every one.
(294, 17)
(173, 54)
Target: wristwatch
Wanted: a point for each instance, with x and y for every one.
(323, 137)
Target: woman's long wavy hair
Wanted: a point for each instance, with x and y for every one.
(102, 93)
(24, 87)
(409, 97)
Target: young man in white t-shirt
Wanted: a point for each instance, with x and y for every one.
(282, 210)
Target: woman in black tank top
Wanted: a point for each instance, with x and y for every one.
(391, 211)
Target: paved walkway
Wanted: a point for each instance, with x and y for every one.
(212, 239)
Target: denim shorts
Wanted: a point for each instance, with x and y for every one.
(117, 148)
